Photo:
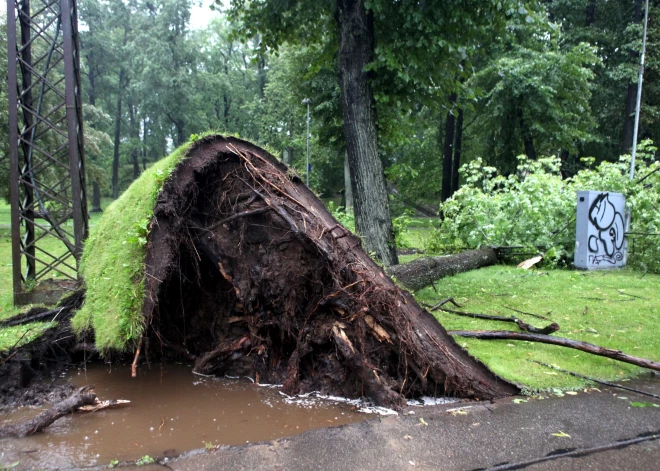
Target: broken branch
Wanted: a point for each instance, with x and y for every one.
(554, 327)
(82, 397)
(560, 341)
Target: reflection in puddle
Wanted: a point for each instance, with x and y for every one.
(171, 411)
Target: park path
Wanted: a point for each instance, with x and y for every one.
(479, 436)
(458, 436)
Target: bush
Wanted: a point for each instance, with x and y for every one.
(535, 207)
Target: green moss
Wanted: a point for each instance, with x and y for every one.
(618, 309)
(112, 265)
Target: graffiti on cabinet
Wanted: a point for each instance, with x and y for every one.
(607, 232)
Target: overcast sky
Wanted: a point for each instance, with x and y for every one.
(201, 14)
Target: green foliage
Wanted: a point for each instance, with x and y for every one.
(539, 94)
(141, 229)
(208, 446)
(644, 404)
(534, 206)
(113, 266)
(345, 218)
(146, 459)
(400, 226)
(529, 207)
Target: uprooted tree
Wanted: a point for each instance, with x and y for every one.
(247, 273)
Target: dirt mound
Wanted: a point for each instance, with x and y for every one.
(247, 273)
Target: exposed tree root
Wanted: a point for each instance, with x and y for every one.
(562, 342)
(248, 274)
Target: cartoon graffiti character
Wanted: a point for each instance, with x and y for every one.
(611, 231)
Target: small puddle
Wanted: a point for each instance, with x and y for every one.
(171, 411)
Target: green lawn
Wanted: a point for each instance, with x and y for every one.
(618, 309)
(9, 336)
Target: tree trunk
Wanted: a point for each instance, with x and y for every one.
(289, 150)
(348, 189)
(356, 48)
(225, 113)
(115, 158)
(526, 134)
(96, 197)
(458, 145)
(450, 125)
(590, 13)
(180, 137)
(249, 263)
(423, 210)
(424, 271)
(631, 95)
(135, 135)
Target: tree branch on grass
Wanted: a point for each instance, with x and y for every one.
(554, 327)
(560, 341)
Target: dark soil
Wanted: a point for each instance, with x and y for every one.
(29, 375)
(248, 274)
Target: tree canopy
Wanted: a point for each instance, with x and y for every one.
(444, 83)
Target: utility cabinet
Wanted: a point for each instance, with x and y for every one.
(600, 236)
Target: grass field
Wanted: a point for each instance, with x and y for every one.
(619, 309)
(9, 336)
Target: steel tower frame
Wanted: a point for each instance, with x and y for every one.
(47, 172)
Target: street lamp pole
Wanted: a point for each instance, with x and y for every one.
(639, 95)
(307, 101)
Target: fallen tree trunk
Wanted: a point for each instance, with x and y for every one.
(424, 271)
(248, 274)
(562, 342)
(82, 397)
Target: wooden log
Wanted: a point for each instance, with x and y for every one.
(82, 397)
(560, 341)
(424, 271)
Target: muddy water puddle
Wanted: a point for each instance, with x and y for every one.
(171, 411)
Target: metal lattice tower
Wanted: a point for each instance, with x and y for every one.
(47, 178)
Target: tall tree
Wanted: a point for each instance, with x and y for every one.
(370, 53)
(276, 22)
(355, 53)
(447, 161)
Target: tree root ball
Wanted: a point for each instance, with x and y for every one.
(248, 274)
